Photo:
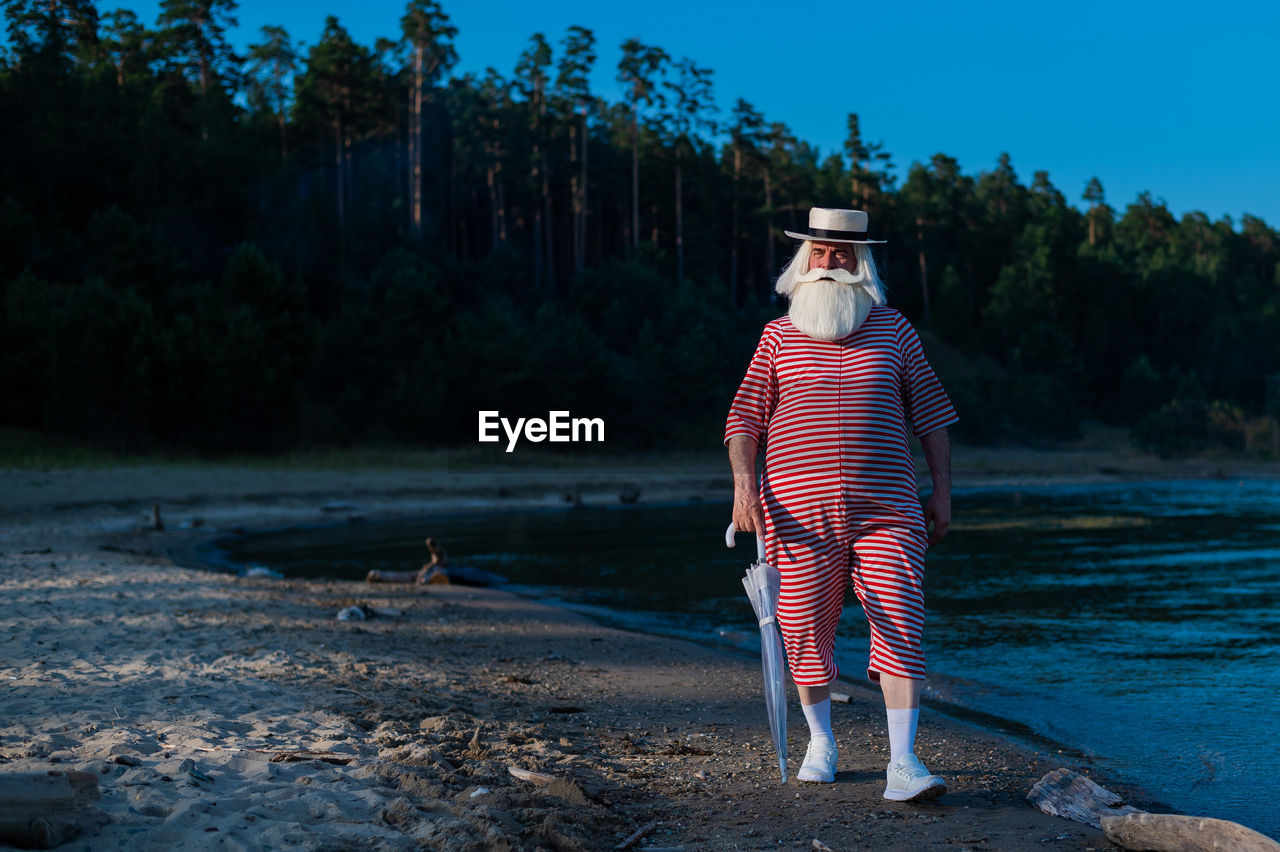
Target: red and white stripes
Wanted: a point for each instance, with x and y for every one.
(838, 487)
(887, 567)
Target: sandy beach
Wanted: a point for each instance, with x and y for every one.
(306, 732)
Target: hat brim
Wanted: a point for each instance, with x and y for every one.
(818, 239)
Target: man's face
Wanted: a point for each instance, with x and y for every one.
(833, 256)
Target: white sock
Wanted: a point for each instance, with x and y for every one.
(819, 718)
(902, 732)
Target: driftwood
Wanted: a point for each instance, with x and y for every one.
(637, 835)
(438, 570)
(39, 810)
(296, 756)
(377, 576)
(1068, 794)
(1175, 833)
(531, 777)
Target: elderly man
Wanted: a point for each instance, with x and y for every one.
(832, 389)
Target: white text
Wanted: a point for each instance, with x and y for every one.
(558, 428)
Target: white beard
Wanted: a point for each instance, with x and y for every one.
(829, 310)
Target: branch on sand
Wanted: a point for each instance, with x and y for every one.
(1068, 794)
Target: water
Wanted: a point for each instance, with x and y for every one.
(1138, 622)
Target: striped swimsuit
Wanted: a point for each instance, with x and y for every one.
(839, 486)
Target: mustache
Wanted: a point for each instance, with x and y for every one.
(842, 276)
(829, 310)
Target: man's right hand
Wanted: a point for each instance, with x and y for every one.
(748, 515)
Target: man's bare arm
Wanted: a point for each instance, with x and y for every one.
(937, 452)
(748, 516)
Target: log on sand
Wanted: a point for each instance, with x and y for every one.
(531, 777)
(39, 810)
(1068, 794)
(1176, 833)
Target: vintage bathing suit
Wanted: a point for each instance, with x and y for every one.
(839, 487)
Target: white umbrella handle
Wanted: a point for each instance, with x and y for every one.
(729, 542)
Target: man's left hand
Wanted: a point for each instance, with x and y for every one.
(937, 517)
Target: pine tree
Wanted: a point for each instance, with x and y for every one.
(572, 87)
(531, 77)
(690, 108)
(1096, 197)
(746, 135)
(335, 92)
(51, 33)
(638, 70)
(126, 45)
(194, 32)
(273, 63)
(426, 27)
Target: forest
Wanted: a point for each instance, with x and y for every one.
(344, 244)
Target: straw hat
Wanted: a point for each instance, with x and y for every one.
(827, 225)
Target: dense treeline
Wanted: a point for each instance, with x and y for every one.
(342, 243)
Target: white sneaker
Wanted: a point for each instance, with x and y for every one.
(819, 762)
(908, 781)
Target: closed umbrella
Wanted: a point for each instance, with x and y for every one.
(762, 584)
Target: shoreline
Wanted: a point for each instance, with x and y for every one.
(123, 658)
(191, 558)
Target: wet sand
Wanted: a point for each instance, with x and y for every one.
(401, 731)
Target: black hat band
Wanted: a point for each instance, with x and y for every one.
(827, 233)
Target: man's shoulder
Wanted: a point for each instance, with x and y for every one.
(888, 320)
(886, 314)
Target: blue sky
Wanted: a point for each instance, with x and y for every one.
(1172, 97)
